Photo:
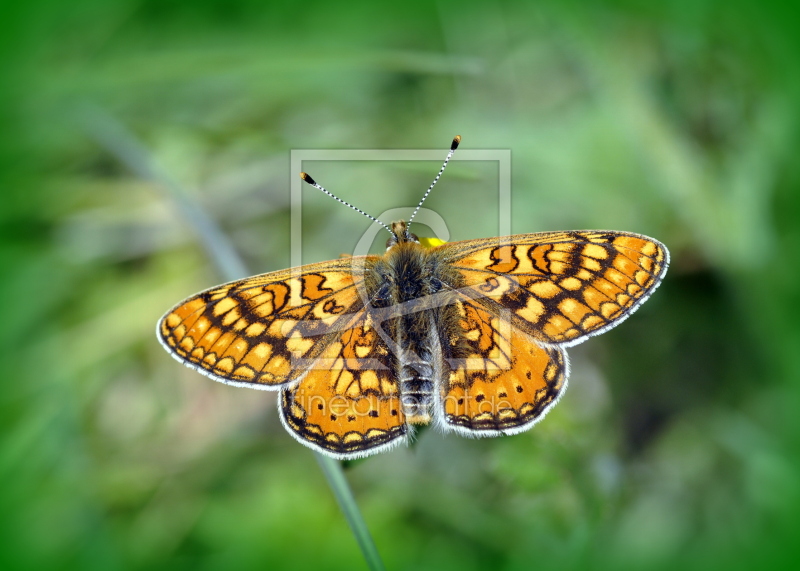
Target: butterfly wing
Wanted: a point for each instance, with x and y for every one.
(306, 331)
(521, 300)
(254, 332)
(561, 287)
(348, 404)
(503, 381)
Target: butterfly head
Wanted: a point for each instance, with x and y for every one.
(400, 234)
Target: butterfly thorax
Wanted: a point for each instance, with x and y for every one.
(413, 285)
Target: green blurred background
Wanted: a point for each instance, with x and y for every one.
(676, 442)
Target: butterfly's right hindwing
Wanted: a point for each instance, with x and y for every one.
(500, 381)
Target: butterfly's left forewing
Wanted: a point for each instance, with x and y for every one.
(250, 331)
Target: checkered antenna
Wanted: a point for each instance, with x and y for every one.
(313, 183)
(453, 147)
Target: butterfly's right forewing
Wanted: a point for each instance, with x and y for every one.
(561, 287)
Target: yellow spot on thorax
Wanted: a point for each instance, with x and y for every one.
(431, 242)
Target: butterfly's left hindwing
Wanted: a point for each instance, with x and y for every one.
(348, 404)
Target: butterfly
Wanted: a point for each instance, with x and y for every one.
(468, 336)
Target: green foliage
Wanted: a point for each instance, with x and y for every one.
(675, 445)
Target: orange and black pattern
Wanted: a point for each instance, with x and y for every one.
(562, 286)
(505, 382)
(250, 330)
(468, 335)
(350, 402)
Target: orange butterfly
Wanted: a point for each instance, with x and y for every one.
(469, 336)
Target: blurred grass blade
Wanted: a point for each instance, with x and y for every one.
(115, 138)
(122, 144)
(338, 483)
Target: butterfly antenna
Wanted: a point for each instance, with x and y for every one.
(313, 183)
(453, 147)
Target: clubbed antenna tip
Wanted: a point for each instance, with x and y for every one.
(453, 147)
(307, 178)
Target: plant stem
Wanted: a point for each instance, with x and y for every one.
(347, 503)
